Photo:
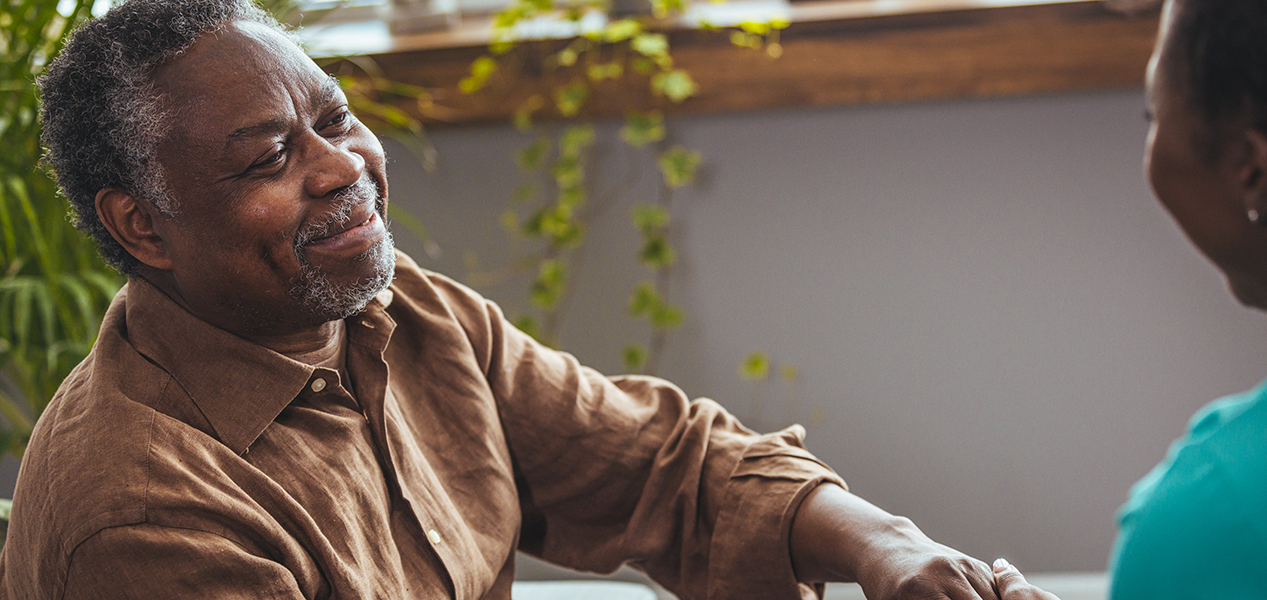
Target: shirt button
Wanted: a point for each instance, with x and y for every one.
(434, 536)
(318, 384)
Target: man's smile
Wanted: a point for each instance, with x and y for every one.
(353, 237)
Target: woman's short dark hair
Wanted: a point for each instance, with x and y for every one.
(102, 118)
(1221, 46)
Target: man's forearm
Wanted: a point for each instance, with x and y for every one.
(832, 534)
(837, 536)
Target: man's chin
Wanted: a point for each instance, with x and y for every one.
(345, 293)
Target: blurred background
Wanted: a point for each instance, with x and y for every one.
(964, 291)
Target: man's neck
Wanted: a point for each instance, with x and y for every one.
(322, 348)
(321, 340)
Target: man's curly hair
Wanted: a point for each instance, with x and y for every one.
(103, 119)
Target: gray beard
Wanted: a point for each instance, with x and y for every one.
(317, 293)
(313, 287)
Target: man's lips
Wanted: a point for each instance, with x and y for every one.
(358, 218)
(356, 235)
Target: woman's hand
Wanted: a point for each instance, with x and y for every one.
(1012, 585)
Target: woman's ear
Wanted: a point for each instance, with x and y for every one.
(131, 222)
(1253, 177)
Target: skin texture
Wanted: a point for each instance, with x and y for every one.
(260, 150)
(260, 146)
(1210, 197)
(837, 536)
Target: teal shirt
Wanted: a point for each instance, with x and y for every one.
(1196, 526)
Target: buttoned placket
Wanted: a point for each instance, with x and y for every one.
(367, 343)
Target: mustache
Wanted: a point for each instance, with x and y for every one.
(345, 201)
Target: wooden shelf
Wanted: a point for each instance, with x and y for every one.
(834, 53)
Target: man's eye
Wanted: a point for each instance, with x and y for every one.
(340, 118)
(269, 160)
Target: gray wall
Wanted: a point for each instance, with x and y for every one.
(997, 329)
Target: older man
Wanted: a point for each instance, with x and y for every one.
(281, 406)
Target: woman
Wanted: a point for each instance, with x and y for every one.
(1196, 527)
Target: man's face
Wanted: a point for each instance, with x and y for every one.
(279, 190)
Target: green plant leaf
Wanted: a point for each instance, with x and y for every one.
(643, 65)
(569, 99)
(643, 128)
(528, 325)
(744, 40)
(677, 85)
(755, 367)
(621, 30)
(634, 356)
(576, 138)
(649, 218)
(569, 236)
(571, 197)
(650, 44)
(534, 225)
(531, 156)
(755, 27)
(600, 72)
(678, 165)
(664, 8)
(566, 57)
(481, 69)
(501, 46)
(656, 252)
(522, 118)
(567, 171)
(23, 299)
(106, 280)
(666, 316)
(548, 287)
(82, 298)
(644, 298)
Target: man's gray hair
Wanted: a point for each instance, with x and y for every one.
(102, 118)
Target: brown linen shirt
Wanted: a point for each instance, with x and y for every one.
(181, 461)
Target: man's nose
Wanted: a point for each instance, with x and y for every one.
(333, 167)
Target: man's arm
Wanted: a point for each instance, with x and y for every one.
(837, 536)
(149, 561)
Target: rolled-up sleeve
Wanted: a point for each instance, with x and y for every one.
(628, 470)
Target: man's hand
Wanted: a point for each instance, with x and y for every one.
(837, 536)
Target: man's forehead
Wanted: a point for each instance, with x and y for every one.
(235, 54)
(239, 76)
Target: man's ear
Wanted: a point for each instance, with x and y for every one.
(1253, 176)
(131, 222)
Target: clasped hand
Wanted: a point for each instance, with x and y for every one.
(837, 536)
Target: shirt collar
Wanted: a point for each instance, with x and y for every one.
(238, 385)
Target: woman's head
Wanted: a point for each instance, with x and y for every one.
(1207, 144)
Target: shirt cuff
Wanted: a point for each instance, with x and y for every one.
(750, 553)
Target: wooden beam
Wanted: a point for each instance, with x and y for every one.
(827, 60)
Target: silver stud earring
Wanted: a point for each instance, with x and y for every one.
(1254, 217)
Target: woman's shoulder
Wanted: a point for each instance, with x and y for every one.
(1232, 433)
(1200, 517)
